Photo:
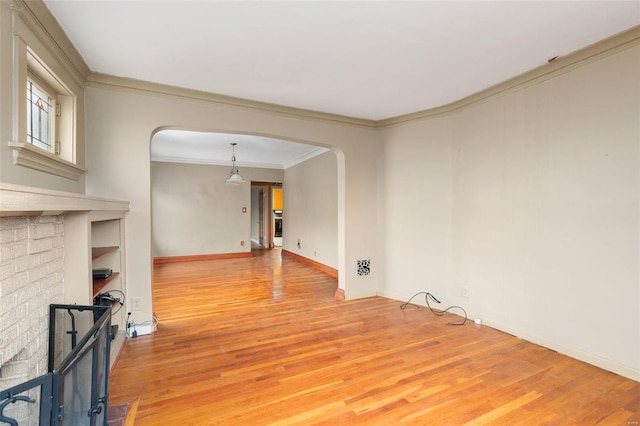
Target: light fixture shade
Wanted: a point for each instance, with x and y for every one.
(234, 177)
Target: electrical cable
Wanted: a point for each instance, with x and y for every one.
(120, 302)
(152, 323)
(128, 324)
(107, 297)
(132, 325)
(439, 313)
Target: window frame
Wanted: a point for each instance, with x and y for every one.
(30, 65)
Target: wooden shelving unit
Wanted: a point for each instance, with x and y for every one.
(98, 253)
(99, 285)
(96, 240)
(94, 231)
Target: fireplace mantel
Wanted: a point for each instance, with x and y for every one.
(16, 200)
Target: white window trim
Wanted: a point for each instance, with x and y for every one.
(27, 155)
(37, 51)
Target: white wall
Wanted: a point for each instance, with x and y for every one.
(415, 208)
(124, 119)
(311, 209)
(530, 201)
(194, 212)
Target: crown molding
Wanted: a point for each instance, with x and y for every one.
(226, 163)
(106, 81)
(207, 162)
(39, 19)
(616, 43)
(309, 155)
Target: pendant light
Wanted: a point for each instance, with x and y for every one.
(234, 177)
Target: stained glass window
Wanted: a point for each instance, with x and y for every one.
(40, 116)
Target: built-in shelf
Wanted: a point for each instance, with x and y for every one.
(106, 238)
(93, 238)
(100, 252)
(98, 285)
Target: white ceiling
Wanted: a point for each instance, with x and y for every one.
(181, 146)
(364, 59)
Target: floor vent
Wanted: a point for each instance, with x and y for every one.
(363, 267)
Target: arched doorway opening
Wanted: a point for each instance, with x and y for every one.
(193, 213)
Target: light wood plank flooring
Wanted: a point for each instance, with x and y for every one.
(262, 340)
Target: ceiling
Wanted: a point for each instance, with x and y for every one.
(180, 146)
(363, 59)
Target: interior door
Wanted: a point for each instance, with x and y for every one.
(261, 217)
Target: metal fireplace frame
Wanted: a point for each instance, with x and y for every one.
(75, 391)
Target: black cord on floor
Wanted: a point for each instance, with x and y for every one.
(428, 296)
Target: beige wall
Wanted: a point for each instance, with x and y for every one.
(415, 207)
(529, 201)
(311, 209)
(194, 212)
(6, 88)
(123, 121)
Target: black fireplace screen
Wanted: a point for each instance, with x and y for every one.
(75, 389)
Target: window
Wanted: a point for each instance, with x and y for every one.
(41, 116)
(48, 84)
(48, 121)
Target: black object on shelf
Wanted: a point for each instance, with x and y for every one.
(102, 273)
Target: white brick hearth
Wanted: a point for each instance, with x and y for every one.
(33, 272)
(31, 278)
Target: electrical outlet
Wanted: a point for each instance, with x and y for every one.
(242, 242)
(299, 243)
(465, 292)
(135, 302)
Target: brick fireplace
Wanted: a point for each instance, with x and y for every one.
(31, 278)
(45, 256)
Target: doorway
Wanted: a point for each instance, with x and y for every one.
(278, 218)
(267, 215)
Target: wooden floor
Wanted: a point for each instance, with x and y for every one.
(262, 340)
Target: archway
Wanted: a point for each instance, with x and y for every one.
(194, 214)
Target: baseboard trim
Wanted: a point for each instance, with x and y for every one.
(575, 353)
(192, 258)
(332, 272)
